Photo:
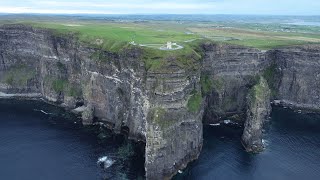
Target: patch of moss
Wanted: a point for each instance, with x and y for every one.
(59, 85)
(270, 74)
(153, 65)
(194, 102)
(63, 85)
(100, 56)
(74, 91)
(159, 117)
(259, 90)
(206, 84)
(18, 75)
(217, 84)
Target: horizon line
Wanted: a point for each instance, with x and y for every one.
(150, 14)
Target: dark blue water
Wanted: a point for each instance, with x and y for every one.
(292, 153)
(38, 146)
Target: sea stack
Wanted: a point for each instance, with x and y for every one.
(259, 108)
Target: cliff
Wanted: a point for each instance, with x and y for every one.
(258, 109)
(295, 74)
(231, 71)
(162, 107)
(114, 88)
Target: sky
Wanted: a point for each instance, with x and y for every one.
(257, 7)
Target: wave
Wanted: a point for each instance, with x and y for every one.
(217, 124)
(105, 162)
(46, 113)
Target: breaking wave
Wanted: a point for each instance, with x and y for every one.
(105, 162)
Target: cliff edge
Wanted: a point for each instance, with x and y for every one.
(163, 107)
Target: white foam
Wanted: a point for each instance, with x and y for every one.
(265, 142)
(217, 124)
(227, 121)
(105, 161)
(46, 113)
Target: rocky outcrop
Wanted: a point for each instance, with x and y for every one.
(114, 88)
(162, 107)
(174, 132)
(297, 75)
(71, 74)
(87, 115)
(231, 71)
(258, 110)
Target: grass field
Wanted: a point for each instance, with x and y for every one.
(113, 35)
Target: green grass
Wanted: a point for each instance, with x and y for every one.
(270, 74)
(18, 75)
(217, 84)
(160, 118)
(59, 85)
(74, 91)
(116, 37)
(259, 90)
(264, 38)
(206, 84)
(194, 103)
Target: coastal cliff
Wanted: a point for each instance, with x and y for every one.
(165, 108)
(258, 110)
(161, 108)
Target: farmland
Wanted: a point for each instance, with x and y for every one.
(115, 33)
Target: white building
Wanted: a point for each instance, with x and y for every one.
(169, 45)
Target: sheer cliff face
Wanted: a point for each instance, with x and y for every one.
(298, 80)
(232, 70)
(174, 134)
(115, 88)
(162, 108)
(63, 71)
(258, 109)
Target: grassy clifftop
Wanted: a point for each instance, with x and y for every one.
(154, 34)
(115, 36)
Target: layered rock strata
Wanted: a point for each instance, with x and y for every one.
(258, 110)
(163, 108)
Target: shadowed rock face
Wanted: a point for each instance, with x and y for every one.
(298, 80)
(232, 70)
(116, 88)
(258, 110)
(63, 71)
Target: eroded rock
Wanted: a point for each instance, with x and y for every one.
(259, 108)
(162, 108)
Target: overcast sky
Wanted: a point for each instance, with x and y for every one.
(268, 7)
